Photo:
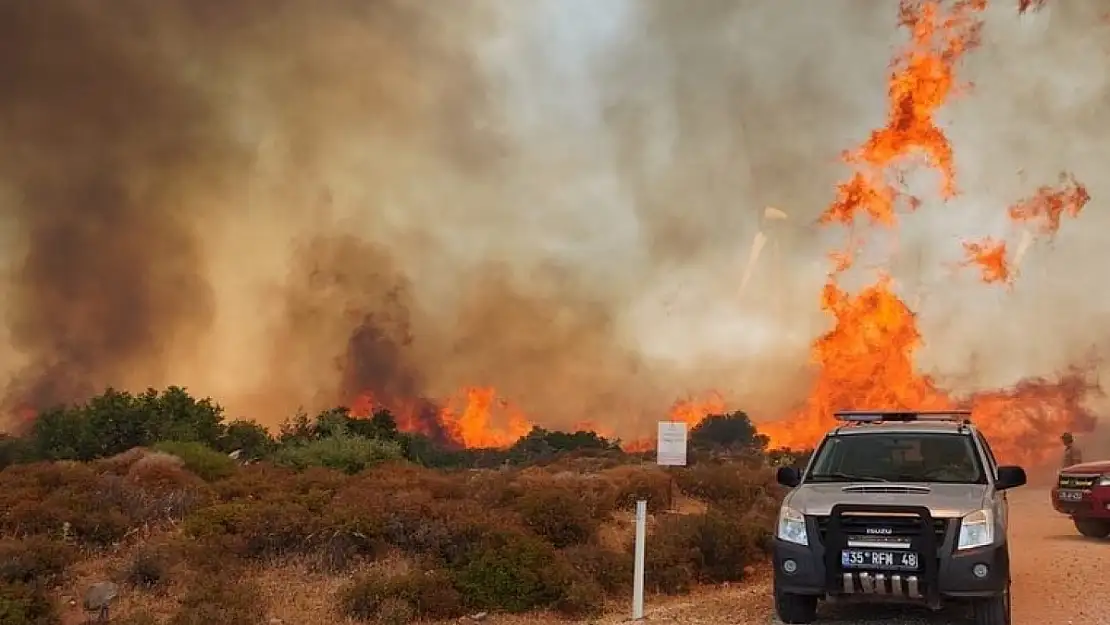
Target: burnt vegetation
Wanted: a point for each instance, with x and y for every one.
(193, 506)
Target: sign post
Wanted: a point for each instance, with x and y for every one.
(671, 446)
(671, 451)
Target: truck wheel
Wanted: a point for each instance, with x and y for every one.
(993, 610)
(1093, 528)
(795, 609)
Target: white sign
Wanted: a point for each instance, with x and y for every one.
(670, 450)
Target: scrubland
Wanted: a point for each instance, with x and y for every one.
(189, 535)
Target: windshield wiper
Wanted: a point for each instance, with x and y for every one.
(850, 478)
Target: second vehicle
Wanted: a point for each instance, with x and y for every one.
(1082, 492)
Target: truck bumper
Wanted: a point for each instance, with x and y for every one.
(945, 574)
(958, 575)
(1094, 502)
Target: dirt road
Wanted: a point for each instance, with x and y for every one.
(1059, 579)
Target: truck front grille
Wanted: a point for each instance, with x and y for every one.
(898, 526)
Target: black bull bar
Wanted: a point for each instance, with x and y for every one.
(924, 543)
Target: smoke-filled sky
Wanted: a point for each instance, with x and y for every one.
(281, 203)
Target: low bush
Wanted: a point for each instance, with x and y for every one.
(26, 604)
(514, 573)
(611, 570)
(726, 483)
(150, 566)
(480, 540)
(220, 598)
(401, 597)
(634, 483)
(34, 560)
(712, 547)
(205, 462)
(342, 452)
(564, 509)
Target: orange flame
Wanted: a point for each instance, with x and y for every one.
(1045, 208)
(1049, 205)
(478, 418)
(475, 417)
(867, 359)
(990, 256)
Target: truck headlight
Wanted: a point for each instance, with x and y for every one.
(1104, 480)
(976, 530)
(792, 526)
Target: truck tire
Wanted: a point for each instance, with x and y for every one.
(1093, 528)
(993, 610)
(795, 609)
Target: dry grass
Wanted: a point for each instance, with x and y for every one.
(296, 594)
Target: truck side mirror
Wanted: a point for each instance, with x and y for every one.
(788, 477)
(1010, 477)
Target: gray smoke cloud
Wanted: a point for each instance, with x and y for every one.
(286, 204)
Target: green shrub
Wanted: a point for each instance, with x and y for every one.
(250, 439)
(342, 452)
(512, 573)
(14, 450)
(413, 595)
(26, 604)
(205, 462)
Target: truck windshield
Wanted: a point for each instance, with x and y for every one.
(897, 457)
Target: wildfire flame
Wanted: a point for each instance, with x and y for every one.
(1044, 209)
(866, 359)
(475, 417)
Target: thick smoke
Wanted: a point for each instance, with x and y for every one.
(106, 159)
(287, 204)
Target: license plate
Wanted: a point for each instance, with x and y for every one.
(1070, 495)
(879, 559)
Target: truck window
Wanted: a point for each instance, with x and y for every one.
(898, 457)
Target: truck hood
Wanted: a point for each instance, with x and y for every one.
(943, 500)
(1100, 466)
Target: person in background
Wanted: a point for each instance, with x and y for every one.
(1072, 456)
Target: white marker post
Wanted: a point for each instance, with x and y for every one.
(638, 573)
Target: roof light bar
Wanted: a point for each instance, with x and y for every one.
(878, 416)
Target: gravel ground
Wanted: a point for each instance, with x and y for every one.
(1059, 578)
